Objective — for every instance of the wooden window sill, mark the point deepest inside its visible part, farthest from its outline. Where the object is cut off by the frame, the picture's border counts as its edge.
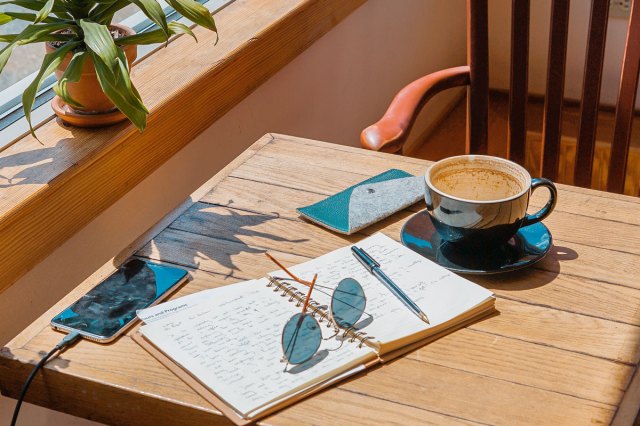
(51, 190)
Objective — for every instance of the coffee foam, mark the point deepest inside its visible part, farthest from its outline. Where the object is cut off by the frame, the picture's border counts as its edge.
(478, 179)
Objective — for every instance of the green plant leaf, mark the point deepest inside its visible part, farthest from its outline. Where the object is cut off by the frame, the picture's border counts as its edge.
(154, 11)
(27, 4)
(73, 7)
(44, 12)
(8, 38)
(5, 18)
(103, 13)
(125, 77)
(30, 17)
(195, 12)
(98, 39)
(85, 6)
(5, 54)
(37, 5)
(179, 28)
(148, 37)
(115, 83)
(63, 14)
(71, 74)
(31, 34)
(100, 7)
(155, 36)
(49, 64)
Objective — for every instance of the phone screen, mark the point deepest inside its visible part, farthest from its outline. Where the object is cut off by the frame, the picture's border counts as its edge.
(112, 304)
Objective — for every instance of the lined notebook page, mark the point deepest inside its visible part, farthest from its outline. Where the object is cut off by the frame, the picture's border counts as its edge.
(441, 294)
(175, 306)
(232, 344)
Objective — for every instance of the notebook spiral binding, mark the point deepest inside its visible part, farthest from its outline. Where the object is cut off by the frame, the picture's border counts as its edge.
(318, 311)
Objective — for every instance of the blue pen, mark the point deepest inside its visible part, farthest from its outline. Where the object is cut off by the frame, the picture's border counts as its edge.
(374, 267)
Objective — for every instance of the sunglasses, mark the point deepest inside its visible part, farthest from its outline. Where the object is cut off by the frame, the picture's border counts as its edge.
(302, 335)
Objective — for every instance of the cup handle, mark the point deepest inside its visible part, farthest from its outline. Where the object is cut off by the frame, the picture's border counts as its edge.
(530, 219)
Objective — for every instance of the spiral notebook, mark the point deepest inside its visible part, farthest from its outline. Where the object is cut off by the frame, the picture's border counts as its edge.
(226, 342)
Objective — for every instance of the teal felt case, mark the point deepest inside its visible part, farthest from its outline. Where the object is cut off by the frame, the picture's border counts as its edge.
(367, 202)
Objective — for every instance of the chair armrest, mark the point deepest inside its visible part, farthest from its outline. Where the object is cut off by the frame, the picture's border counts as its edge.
(390, 133)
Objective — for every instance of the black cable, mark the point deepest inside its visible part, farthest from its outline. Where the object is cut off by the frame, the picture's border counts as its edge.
(60, 347)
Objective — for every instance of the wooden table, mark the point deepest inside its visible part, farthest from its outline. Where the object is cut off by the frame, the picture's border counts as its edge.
(564, 348)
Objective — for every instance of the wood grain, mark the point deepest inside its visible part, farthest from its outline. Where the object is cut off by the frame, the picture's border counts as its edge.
(563, 348)
(58, 186)
(594, 62)
(518, 80)
(532, 365)
(332, 179)
(477, 139)
(626, 103)
(615, 339)
(447, 139)
(376, 162)
(344, 402)
(469, 395)
(552, 159)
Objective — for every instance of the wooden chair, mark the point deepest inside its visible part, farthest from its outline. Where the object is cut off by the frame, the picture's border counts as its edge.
(390, 133)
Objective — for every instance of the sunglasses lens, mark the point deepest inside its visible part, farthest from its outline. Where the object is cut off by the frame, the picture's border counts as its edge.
(301, 338)
(347, 303)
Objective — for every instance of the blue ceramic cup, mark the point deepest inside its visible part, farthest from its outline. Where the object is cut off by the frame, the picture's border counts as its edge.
(479, 201)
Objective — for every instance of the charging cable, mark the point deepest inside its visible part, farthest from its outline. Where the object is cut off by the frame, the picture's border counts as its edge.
(68, 340)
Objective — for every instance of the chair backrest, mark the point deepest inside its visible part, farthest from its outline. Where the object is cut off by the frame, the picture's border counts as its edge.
(477, 104)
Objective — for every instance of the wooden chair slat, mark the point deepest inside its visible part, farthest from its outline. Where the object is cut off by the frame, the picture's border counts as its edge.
(478, 93)
(517, 129)
(551, 126)
(549, 157)
(626, 104)
(591, 93)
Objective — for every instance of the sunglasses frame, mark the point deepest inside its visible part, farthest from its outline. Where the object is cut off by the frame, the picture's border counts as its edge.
(332, 317)
(331, 320)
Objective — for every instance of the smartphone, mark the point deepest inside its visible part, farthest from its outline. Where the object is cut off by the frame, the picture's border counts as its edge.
(109, 308)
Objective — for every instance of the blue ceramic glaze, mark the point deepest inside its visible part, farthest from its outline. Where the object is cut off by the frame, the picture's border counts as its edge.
(481, 223)
(529, 245)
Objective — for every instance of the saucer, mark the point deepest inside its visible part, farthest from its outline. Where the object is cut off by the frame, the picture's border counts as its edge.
(529, 245)
(69, 116)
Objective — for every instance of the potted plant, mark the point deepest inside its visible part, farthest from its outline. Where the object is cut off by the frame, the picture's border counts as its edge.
(90, 55)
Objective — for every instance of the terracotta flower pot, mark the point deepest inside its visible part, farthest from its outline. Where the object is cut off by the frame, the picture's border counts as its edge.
(87, 91)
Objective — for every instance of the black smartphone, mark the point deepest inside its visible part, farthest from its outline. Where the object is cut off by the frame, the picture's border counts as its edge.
(110, 307)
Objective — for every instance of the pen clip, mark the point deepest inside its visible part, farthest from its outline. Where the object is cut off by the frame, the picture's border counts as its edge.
(363, 257)
(374, 262)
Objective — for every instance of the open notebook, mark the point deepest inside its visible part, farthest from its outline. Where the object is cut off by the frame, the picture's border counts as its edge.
(226, 342)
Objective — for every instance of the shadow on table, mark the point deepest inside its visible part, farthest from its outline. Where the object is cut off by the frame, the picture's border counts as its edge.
(56, 360)
(535, 276)
(211, 237)
(33, 167)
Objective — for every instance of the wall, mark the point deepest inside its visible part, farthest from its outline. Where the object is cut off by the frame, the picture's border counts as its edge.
(500, 45)
(333, 90)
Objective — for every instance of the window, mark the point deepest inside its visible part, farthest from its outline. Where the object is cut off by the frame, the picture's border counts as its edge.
(25, 62)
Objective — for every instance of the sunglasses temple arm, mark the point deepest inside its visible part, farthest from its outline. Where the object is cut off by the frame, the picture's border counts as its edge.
(281, 266)
(306, 302)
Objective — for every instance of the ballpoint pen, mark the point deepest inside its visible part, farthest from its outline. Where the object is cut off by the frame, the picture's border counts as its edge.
(374, 267)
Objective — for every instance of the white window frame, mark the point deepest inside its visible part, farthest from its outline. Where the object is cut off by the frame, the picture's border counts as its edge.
(44, 112)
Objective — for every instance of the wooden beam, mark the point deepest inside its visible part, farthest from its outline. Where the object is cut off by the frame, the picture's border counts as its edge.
(59, 186)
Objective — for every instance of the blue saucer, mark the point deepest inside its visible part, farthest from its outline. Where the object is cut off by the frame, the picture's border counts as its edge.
(528, 246)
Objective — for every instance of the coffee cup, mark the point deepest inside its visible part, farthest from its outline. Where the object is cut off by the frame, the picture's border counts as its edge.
(480, 201)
